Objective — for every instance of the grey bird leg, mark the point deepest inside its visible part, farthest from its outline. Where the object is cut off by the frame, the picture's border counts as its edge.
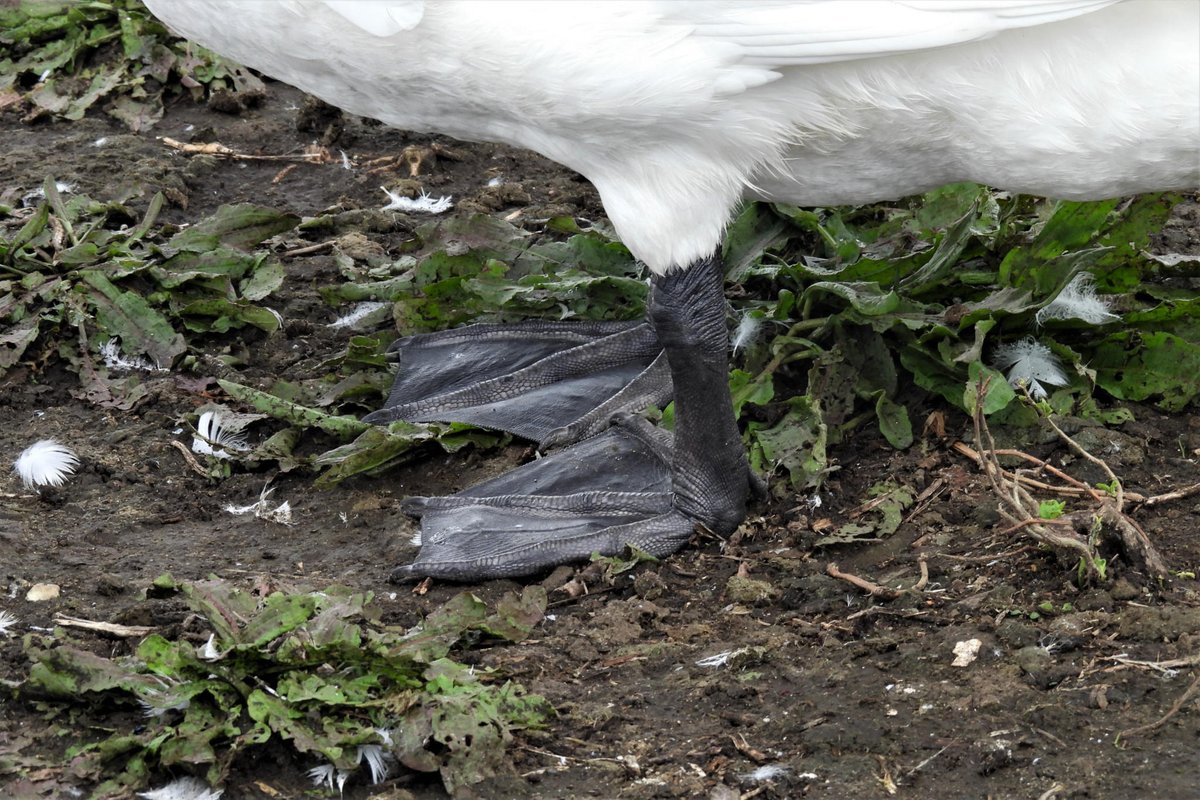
(631, 485)
(710, 475)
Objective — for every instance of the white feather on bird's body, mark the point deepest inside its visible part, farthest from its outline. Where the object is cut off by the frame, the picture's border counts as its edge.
(677, 111)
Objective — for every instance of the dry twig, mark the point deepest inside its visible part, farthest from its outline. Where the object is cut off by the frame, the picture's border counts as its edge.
(1162, 667)
(307, 249)
(190, 459)
(1021, 510)
(1075, 487)
(110, 628)
(1187, 695)
(317, 155)
(874, 589)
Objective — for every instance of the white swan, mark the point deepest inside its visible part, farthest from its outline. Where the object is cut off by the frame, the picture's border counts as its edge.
(676, 111)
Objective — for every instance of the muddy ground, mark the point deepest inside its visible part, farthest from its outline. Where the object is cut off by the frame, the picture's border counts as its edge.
(853, 696)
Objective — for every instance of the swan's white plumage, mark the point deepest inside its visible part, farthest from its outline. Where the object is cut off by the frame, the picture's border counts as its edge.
(381, 19)
(675, 111)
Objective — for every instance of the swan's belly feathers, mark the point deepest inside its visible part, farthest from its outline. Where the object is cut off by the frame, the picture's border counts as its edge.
(1112, 109)
(675, 111)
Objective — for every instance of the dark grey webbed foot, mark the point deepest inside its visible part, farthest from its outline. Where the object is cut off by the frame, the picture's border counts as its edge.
(551, 382)
(632, 485)
(600, 495)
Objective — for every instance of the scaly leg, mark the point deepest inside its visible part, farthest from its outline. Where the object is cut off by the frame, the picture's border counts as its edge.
(631, 485)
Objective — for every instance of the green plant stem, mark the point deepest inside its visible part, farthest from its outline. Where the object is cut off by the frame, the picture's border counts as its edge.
(785, 357)
(856, 420)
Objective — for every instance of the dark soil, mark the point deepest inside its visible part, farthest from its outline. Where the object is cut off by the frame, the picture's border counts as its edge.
(851, 695)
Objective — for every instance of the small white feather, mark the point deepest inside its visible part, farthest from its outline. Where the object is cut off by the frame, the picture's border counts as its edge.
(1030, 363)
(157, 703)
(358, 314)
(155, 712)
(30, 198)
(426, 204)
(7, 620)
(1174, 259)
(45, 463)
(747, 331)
(1078, 300)
(328, 775)
(767, 772)
(215, 438)
(378, 760)
(282, 513)
(208, 651)
(114, 359)
(717, 660)
(184, 789)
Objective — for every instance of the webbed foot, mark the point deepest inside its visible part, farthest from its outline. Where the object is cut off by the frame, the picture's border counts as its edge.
(551, 382)
(631, 485)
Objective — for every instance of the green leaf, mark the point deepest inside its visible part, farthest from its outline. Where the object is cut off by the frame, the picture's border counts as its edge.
(102, 83)
(313, 670)
(747, 389)
(997, 393)
(219, 262)
(219, 315)
(752, 231)
(32, 227)
(128, 316)
(1040, 266)
(946, 254)
(868, 299)
(888, 503)
(1138, 367)
(266, 278)
(894, 423)
(517, 615)
(240, 226)
(293, 413)
(374, 448)
(280, 614)
(616, 565)
(15, 340)
(1051, 509)
(796, 443)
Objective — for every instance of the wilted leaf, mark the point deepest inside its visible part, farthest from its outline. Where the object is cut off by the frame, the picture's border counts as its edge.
(878, 518)
(314, 670)
(128, 316)
(796, 443)
(517, 615)
(102, 83)
(374, 448)
(294, 413)
(241, 226)
(15, 340)
(218, 315)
